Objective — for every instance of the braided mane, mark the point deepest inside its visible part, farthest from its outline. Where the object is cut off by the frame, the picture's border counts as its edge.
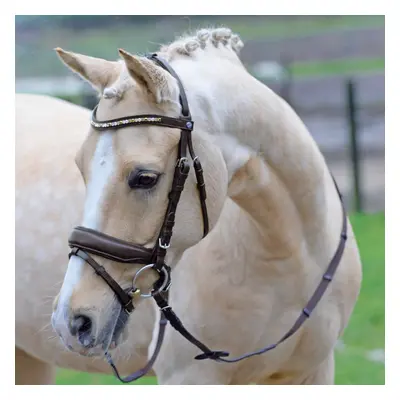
(203, 39)
(219, 41)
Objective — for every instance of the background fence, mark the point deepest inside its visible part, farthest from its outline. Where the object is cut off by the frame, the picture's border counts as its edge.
(346, 116)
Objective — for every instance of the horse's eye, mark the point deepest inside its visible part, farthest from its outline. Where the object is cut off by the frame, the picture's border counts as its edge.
(142, 179)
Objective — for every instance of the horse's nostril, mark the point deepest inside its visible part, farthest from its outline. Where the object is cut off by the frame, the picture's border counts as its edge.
(81, 325)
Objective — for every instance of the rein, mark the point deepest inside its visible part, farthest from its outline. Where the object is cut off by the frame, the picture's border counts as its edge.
(84, 241)
(304, 315)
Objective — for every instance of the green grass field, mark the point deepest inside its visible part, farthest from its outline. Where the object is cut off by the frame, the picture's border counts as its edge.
(365, 333)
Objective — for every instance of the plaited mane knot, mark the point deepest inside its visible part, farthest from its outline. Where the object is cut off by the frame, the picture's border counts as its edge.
(202, 39)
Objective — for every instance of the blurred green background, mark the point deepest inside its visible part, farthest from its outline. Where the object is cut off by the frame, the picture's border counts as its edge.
(101, 36)
(309, 61)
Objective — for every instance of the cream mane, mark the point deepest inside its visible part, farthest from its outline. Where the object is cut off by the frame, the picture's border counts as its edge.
(205, 41)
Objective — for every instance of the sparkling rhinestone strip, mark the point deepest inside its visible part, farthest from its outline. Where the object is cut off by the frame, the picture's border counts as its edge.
(124, 122)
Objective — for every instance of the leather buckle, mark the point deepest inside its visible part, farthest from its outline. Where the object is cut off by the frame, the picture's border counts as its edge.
(212, 355)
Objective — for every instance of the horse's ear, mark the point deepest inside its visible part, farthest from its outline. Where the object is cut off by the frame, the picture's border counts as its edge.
(98, 72)
(159, 82)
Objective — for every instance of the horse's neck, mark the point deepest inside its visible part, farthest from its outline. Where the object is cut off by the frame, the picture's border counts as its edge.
(226, 99)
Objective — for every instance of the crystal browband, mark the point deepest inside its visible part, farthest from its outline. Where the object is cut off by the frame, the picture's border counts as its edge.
(161, 120)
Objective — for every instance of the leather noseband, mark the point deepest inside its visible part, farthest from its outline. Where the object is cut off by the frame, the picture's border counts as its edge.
(109, 247)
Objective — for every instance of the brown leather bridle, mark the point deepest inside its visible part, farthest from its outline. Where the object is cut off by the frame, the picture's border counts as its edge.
(84, 241)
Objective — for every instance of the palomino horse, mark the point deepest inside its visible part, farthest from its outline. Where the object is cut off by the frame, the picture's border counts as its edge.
(235, 291)
(38, 201)
(49, 197)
